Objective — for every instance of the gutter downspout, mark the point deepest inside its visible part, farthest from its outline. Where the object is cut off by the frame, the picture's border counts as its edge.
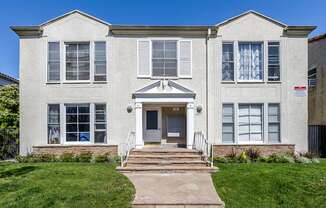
(207, 38)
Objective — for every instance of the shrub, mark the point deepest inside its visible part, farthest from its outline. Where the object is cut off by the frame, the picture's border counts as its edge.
(315, 160)
(101, 158)
(68, 157)
(21, 159)
(85, 157)
(253, 153)
(308, 155)
(263, 159)
(114, 159)
(302, 159)
(231, 155)
(243, 157)
(285, 159)
(220, 159)
(46, 157)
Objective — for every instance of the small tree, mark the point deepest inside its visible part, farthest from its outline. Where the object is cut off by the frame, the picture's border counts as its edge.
(9, 120)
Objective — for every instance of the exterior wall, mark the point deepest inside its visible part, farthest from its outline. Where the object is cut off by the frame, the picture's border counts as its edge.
(223, 150)
(317, 94)
(293, 55)
(111, 150)
(122, 80)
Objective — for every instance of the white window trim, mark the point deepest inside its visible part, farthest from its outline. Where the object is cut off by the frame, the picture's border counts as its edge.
(91, 60)
(280, 123)
(234, 122)
(106, 61)
(150, 75)
(106, 122)
(234, 62)
(47, 62)
(263, 124)
(279, 61)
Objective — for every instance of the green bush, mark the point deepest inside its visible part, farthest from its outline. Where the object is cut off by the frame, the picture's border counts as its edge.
(220, 159)
(114, 159)
(85, 157)
(21, 159)
(243, 157)
(253, 153)
(315, 160)
(68, 157)
(302, 159)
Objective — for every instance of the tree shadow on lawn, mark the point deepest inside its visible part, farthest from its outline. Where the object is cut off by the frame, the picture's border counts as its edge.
(17, 171)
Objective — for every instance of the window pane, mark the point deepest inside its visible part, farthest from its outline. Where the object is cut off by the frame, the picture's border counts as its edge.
(84, 136)
(251, 61)
(151, 120)
(71, 137)
(100, 123)
(164, 58)
(274, 123)
(100, 137)
(54, 124)
(228, 124)
(250, 122)
(77, 122)
(77, 61)
(53, 61)
(100, 61)
(273, 61)
(227, 61)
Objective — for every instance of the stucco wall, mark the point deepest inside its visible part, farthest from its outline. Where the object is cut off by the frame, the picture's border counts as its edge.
(123, 81)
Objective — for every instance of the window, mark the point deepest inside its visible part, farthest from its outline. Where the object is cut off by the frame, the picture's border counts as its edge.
(228, 124)
(53, 61)
(274, 123)
(273, 61)
(227, 62)
(100, 123)
(151, 120)
(250, 122)
(100, 61)
(250, 61)
(77, 123)
(77, 61)
(54, 124)
(312, 77)
(164, 58)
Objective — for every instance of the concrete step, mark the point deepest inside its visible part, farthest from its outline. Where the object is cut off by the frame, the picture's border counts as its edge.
(165, 151)
(160, 157)
(176, 163)
(167, 169)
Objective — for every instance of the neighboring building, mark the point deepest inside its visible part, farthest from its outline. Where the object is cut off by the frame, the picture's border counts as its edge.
(7, 80)
(317, 80)
(84, 84)
(317, 94)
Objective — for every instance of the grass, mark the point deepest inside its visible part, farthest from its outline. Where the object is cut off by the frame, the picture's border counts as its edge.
(272, 185)
(63, 185)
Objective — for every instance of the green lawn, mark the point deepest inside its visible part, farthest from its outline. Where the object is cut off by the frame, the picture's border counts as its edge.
(272, 185)
(63, 185)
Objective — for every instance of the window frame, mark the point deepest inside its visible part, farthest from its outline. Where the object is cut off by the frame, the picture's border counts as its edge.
(48, 59)
(311, 75)
(91, 117)
(279, 60)
(48, 123)
(103, 122)
(91, 65)
(262, 141)
(279, 123)
(234, 61)
(237, 68)
(234, 122)
(93, 60)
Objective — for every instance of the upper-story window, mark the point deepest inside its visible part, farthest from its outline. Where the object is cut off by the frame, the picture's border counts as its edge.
(250, 61)
(77, 61)
(273, 61)
(100, 61)
(312, 77)
(227, 62)
(164, 58)
(53, 61)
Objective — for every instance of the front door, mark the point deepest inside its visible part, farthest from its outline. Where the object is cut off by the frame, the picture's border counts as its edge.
(174, 127)
(152, 125)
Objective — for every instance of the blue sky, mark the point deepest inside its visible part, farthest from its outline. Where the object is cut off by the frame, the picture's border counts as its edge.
(146, 12)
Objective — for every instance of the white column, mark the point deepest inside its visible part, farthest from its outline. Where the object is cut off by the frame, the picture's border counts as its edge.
(190, 124)
(139, 125)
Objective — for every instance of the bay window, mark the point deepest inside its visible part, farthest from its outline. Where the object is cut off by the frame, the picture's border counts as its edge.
(77, 122)
(164, 58)
(250, 62)
(250, 123)
(77, 61)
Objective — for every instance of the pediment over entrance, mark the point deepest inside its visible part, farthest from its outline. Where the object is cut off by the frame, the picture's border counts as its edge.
(164, 89)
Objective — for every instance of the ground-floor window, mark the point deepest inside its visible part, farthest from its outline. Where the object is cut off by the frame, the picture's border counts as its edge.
(54, 124)
(250, 122)
(100, 123)
(77, 122)
(228, 123)
(274, 122)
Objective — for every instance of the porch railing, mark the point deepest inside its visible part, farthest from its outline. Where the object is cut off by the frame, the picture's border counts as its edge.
(202, 145)
(126, 147)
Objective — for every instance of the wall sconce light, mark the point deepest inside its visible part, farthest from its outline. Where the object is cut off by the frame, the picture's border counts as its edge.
(129, 108)
(199, 109)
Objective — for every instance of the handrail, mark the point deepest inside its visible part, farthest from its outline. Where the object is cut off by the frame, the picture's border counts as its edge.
(126, 147)
(202, 145)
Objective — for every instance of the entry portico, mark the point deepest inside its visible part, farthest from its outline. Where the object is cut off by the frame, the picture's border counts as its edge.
(160, 95)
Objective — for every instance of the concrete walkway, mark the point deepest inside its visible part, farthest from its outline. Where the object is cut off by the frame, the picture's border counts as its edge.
(174, 190)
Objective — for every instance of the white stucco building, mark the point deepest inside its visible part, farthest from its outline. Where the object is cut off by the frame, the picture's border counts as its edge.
(85, 83)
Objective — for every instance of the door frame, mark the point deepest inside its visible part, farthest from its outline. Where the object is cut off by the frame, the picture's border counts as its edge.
(152, 135)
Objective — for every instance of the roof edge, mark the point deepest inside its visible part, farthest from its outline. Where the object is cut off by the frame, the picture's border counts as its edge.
(10, 78)
(317, 38)
(27, 31)
(299, 30)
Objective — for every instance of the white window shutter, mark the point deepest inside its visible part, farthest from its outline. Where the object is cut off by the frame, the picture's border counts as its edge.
(143, 54)
(185, 60)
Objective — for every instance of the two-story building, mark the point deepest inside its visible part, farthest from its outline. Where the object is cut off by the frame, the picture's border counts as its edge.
(85, 84)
